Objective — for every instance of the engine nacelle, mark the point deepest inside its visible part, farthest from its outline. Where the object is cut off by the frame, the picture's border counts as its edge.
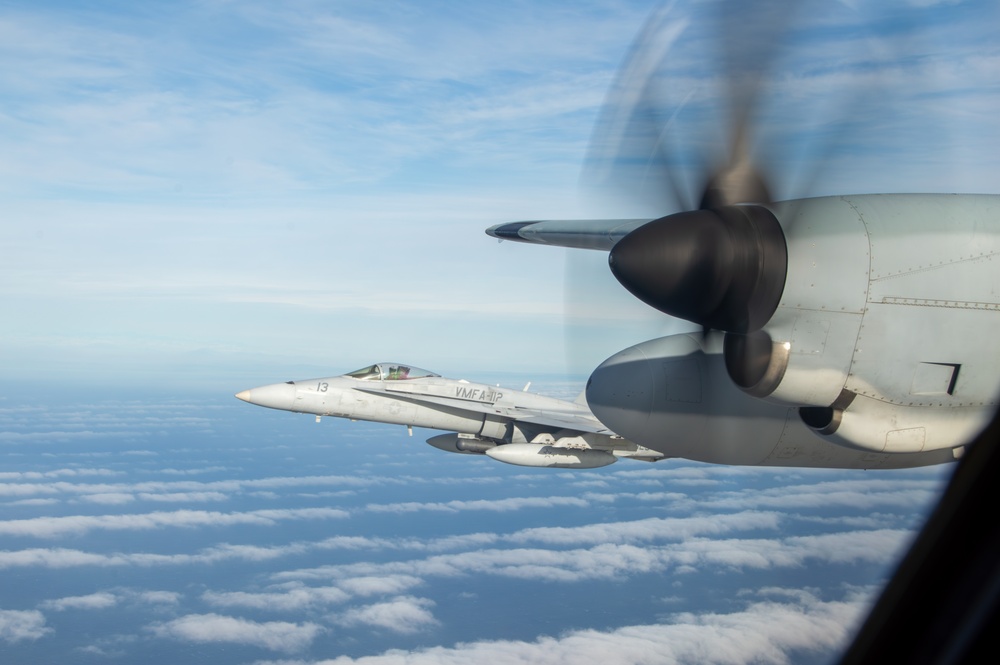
(803, 354)
(674, 395)
(805, 362)
(889, 297)
(873, 425)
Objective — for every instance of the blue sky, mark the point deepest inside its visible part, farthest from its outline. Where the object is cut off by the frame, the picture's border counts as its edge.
(201, 197)
(213, 178)
(197, 189)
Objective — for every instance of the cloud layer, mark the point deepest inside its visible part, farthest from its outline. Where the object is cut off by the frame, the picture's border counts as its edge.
(766, 631)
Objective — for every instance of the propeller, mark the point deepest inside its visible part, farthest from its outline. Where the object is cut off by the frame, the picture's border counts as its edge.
(721, 265)
(682, 139)
(690, 148)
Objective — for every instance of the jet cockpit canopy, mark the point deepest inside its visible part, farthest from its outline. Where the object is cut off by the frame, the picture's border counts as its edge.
(389, 372)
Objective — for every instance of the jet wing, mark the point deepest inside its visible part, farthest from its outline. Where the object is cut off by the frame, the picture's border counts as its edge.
(578, 420)
(600, 234)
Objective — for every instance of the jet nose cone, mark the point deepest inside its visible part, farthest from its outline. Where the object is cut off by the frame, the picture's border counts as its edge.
(274, 396)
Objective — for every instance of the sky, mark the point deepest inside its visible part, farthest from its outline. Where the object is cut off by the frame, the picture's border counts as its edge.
(200, 189)
(201, 197)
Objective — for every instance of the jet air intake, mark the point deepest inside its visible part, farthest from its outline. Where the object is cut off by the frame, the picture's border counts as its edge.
(723, 268)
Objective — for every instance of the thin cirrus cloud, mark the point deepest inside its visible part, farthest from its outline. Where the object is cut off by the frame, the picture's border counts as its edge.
(93, 601)
(846, 493)
(874, 494)
(859, 545)
(295, 599)
(103, 600)
(57, 558)
(862, 492)
(138, 107)
(53, 527)
(619, 561)
(161, 152)
(179, 486)
(55, 473)
(649, 529)
(498, 505)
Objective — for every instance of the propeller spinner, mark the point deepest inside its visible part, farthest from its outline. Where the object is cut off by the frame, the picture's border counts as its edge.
(722, 268)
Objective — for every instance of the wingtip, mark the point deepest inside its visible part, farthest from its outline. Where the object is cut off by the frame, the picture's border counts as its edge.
(508, 231)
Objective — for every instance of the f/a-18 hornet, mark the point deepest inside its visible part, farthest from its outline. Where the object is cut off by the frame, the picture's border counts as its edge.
(512, 426)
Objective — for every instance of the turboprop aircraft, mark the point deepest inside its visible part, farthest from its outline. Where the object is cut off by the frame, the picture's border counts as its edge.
(512, 426)
(859, 323)
(840, 331)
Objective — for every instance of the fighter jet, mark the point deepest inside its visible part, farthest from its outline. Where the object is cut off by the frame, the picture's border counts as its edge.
(512, 426)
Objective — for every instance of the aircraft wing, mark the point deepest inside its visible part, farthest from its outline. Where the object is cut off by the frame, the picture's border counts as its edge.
(577, 422)
(600, 234)
(580, 420)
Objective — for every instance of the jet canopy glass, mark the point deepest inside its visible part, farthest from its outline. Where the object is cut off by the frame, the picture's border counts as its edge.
(389, 372)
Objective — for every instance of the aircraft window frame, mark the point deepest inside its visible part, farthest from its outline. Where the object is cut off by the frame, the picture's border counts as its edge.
(369, 373)
(401, 372)
(390, 372)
